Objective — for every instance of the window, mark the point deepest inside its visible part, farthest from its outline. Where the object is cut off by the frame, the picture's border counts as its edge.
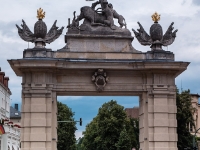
(191, 128)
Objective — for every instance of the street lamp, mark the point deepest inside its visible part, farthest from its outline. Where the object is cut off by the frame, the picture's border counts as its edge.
(73, 121)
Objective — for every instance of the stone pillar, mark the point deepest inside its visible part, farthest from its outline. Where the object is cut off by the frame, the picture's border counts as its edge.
(38, 115)
(158, 114)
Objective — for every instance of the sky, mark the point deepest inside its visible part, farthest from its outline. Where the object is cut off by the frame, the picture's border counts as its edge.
(184, 13)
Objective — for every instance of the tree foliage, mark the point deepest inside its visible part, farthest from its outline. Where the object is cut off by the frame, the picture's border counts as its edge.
(111, 129)
(124, 142)
(134, 128)
(184, 119)
(79, 143)
(66, 130)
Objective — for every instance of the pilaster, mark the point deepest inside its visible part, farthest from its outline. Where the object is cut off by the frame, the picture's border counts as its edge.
(38, 116)
(158, 114)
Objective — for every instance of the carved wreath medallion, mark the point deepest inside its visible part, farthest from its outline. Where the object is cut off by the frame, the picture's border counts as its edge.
(100, 79)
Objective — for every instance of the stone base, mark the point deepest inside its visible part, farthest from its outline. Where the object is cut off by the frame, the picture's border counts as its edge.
(98, 43)
(90, 55)
(37, 52)
(160, 54)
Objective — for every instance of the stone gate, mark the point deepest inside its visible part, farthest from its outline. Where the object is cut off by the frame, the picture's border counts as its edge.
(98, 60)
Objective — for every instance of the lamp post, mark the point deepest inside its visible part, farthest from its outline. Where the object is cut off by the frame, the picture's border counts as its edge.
(73, 121)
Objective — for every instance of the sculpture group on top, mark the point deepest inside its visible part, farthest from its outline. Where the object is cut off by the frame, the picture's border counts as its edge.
(98, 18)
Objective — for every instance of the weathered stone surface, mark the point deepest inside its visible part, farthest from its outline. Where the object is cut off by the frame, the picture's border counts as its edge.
(159, 54)
(98, 56)
(98, 43)
(37, 52)
(72, 54)
(152, 81)
(86, 29)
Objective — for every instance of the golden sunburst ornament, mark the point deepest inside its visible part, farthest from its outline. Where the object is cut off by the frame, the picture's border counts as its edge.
(40, 13)
(155, 17)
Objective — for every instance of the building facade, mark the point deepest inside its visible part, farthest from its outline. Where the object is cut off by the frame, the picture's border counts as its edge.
(11, 139)
(15, 115)
(196, 114)
(132, 112)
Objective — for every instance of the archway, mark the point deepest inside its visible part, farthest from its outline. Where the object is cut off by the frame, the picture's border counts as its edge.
(99, 61)
(44, 79)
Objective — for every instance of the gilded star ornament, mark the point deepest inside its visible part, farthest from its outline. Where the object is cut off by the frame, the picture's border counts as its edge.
(40, 13)
(155, 17)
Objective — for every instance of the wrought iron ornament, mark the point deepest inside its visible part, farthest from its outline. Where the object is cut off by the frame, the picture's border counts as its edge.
(100, 79)
(40, 36)
(156, 38)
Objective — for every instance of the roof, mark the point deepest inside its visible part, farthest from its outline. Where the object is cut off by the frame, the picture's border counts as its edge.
(197, 95)
(132, 112)
(14, 114)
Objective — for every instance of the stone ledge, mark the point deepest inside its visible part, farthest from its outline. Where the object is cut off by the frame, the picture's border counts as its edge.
(92, 55)
(98, 55)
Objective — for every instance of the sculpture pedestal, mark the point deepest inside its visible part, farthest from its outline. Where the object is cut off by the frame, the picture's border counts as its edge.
(98, 43)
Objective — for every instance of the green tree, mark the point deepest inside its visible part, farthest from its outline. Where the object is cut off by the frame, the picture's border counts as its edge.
(79, 144)
(90, 136)
(66, 130)
(124, 142)
(134, 132)
(106, 128)
(184, 119)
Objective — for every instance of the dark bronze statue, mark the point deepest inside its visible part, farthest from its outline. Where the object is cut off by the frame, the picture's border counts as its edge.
(102, 16)
(120, 18)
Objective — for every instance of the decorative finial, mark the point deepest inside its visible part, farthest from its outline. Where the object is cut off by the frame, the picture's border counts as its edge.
(40, 14)
(155, 17)
(40, 36)
(156, 38)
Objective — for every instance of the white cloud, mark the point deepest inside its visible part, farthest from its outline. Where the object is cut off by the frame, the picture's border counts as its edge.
(78, 134)
(185, 14)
